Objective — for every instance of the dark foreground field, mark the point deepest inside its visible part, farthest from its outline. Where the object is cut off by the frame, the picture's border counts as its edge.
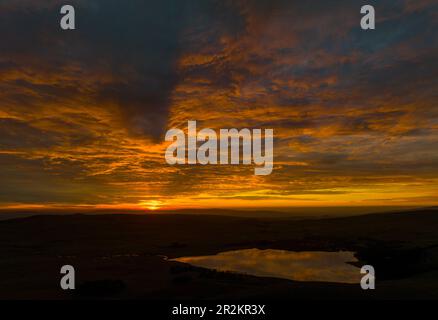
(120, 256)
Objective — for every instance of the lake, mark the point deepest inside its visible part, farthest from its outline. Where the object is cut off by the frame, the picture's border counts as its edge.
(298, 266)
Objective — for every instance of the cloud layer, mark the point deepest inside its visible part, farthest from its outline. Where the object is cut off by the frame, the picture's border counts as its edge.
(83, 113)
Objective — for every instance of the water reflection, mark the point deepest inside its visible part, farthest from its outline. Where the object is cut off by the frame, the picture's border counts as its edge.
(300, 266)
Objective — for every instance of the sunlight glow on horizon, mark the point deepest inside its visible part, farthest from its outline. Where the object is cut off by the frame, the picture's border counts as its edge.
(151, 204)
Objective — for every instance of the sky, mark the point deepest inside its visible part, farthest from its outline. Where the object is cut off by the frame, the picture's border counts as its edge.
(83, 113)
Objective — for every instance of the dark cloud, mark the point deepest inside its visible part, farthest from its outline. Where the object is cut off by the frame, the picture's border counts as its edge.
(132, 48)
(19, 135)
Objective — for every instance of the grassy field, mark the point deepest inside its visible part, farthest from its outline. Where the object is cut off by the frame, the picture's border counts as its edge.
(121, 256)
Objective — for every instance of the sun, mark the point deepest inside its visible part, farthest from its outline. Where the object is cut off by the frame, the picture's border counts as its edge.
(151, 204)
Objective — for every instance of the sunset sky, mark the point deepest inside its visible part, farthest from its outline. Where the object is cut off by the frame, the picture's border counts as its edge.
(83, 113)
